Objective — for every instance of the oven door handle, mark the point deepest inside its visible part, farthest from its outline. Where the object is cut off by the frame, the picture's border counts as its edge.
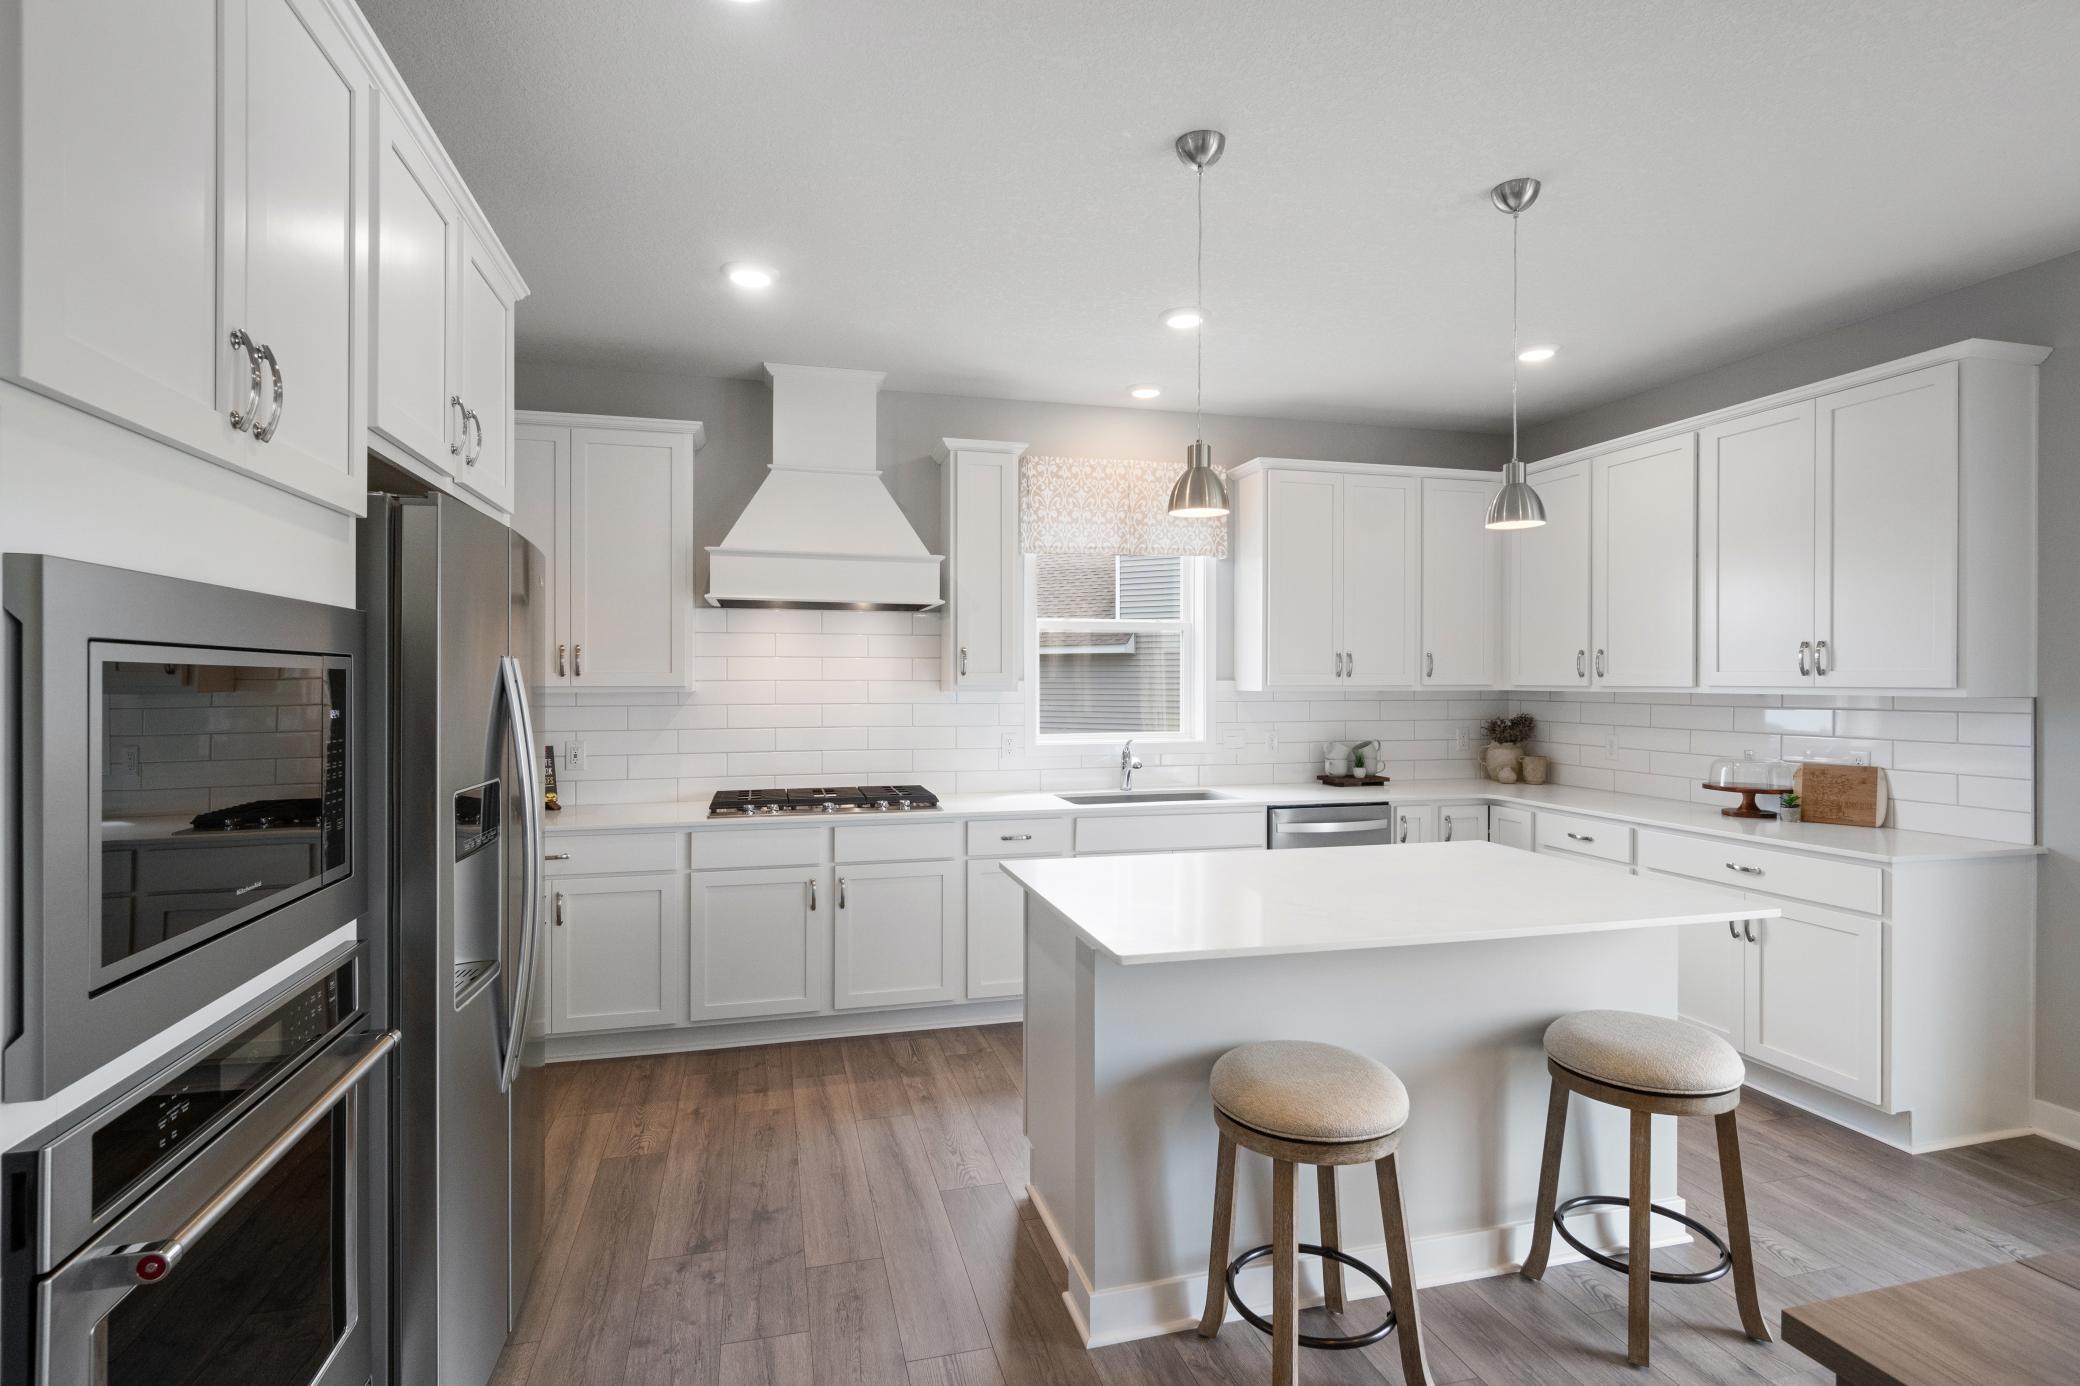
(153, 1262)
(519, 989)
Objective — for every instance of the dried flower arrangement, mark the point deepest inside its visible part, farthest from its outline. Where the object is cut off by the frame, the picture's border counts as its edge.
(1511, 731)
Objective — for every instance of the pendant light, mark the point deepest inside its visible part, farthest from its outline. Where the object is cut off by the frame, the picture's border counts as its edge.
(1516, 505)
(1200, 492)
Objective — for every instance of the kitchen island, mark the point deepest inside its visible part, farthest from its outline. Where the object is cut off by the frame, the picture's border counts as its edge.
(1445, 961)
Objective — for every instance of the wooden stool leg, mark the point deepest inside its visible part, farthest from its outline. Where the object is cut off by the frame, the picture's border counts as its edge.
(1735, 1187)
(1640, 1256)
(1223, 1228)
(1408, 1328)
(1285, 1279)
(1332, 1238)
(1548, 1184)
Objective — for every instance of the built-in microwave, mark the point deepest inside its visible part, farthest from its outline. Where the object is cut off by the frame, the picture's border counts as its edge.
(179, 768)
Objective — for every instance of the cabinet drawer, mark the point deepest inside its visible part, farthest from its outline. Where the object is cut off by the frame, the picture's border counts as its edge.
(729, 847)
(1019, 837)
(1589, 837)
(899, 842)
(580, 854)
(1845, 885)
(1170, 832)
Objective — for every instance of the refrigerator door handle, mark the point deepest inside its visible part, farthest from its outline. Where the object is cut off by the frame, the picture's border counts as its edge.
(520, 988)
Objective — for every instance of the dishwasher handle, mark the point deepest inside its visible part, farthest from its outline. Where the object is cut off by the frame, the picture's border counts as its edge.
(1362, 825)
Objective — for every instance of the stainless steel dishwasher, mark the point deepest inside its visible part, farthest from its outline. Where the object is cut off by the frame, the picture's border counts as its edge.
(1331, 825)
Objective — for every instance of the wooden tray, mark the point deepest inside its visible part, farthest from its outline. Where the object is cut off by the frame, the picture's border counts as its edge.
(1352, 781)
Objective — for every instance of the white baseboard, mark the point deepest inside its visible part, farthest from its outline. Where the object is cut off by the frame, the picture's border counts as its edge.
(2056, 1123)
(733, 1034)
(1159, 1307)
(1896, 1129)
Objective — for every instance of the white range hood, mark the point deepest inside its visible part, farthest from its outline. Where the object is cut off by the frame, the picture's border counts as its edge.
(822, 530)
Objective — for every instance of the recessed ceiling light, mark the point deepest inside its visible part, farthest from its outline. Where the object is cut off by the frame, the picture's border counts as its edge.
(1534, 354)
(1145, 391)
(749, 276)
(1183, 319)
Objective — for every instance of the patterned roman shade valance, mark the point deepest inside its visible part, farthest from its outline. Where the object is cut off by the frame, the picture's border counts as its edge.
(1109, 506)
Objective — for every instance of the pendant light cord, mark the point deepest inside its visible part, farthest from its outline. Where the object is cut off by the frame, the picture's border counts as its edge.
(1199, 296)
(1513, 360)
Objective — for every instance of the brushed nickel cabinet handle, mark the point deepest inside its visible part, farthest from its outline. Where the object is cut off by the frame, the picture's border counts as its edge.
(841, 892)
(578, 661)
(812, 895)
(559, 909)
(461, 412)
(1744, 870)
(1014, 837)
(1748, 928)
(1805, 658)
(473, 430)
(1429, 664)
(556, 856)
(1448, 827)
(1581, 664)
(1733, 931)
(562, 665)
(964, 661)
(1350, 666)
(1581, 837)
(1599, 664)
(242, 419)
(1821, 659)
(265, 432)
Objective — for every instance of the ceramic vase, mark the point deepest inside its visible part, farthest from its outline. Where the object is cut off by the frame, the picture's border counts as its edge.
(1498, 757)
(1534, 769)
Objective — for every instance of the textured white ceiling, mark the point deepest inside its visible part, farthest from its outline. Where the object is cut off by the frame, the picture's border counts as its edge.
(979, 196)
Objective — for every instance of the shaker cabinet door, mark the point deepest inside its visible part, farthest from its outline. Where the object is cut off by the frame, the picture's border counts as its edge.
(996, 932)
(761, 943)
(1379, 573)
(1815, 989)
(983, 577)
(418, 245)
(1300, 579)
(1756, 548)
(1711, 979)
(1462, 585)
(901, 934)
(618, 947)
(483, 374)
(1549, 585)
(1644, 568)
(630, 559)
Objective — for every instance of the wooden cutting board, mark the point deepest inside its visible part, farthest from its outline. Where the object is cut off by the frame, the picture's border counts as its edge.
(1854, 795)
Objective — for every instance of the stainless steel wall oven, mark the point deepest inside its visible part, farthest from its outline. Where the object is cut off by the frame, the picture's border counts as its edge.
(212, 1225)
(179, 760)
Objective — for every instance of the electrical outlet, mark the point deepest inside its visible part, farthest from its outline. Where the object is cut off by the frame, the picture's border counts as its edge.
(130, 760)
(1271, 738)
(1007, 744)
(1459, 740)
(1235, 736)
(573, 754)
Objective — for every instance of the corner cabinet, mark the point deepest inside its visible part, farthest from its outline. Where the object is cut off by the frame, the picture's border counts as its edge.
(610, 504)
(983, 566)
(1462, 585)
(192, 229)
(1879, 536)
(1326, 575)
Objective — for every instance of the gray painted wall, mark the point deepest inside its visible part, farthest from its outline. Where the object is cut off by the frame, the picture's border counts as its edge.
(738, 415)
(2040, 305)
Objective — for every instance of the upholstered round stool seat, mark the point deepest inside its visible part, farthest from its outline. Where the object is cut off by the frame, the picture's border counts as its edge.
(1298, 1090)
(1646, 1053)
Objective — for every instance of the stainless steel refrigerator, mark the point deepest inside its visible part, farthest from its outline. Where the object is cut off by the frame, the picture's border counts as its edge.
(455, 606)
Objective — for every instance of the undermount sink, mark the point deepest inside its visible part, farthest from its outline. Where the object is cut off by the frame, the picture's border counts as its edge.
(1146, 796)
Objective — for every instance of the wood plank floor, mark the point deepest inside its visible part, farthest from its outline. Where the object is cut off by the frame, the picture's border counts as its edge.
(854, 1211)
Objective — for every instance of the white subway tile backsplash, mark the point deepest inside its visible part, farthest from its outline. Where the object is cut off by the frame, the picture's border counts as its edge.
(1898, 726)
(1980, 791)
(2006, 762)
(1996, 728)
(1691, 717)
(1793, 721)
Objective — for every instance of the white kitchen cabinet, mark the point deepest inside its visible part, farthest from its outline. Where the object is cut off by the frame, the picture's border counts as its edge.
(615, 498)
(188, 172)
(1415, 823)
(618, 952)
(1756, 545)
(901, 936)
(482, 372)
(413, 268)
(1326, 575)
(996, 932)
(983, 564)
(1643, 565)
(1814, 986)
(1462, 823)
(760, 942)
(1549, 585)
(1712, 980)
(1510, 826)
(1461, 585)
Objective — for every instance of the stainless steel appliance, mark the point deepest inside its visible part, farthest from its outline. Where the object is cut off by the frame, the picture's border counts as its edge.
(1331, 825)
(138, 707)
(213, 1223)
(843, 798)
(455, 604)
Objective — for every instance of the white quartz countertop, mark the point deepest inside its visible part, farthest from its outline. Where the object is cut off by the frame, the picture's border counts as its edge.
(1185, 906)
(1863, 844)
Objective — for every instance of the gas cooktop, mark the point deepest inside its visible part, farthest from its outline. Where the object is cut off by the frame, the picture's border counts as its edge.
(846, 798)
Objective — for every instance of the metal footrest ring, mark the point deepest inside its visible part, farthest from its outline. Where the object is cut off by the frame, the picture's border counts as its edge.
(1311, 1340)
(1702, 1277)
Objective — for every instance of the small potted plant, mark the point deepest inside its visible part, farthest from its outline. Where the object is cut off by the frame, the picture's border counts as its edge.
(1505, 749)
(1788, 806)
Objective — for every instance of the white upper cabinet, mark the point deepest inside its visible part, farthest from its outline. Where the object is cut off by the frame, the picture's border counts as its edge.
(1643, 566)
(1325, 577)
(1885, 526)
(1462, 585)
(610, 502)
(189, 172)
(983, 565)
(483, 374)
(418, 249)
(1549, 585)
(1757, 501)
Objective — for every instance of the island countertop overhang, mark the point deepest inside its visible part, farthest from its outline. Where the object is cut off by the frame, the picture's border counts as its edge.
(1187, 906)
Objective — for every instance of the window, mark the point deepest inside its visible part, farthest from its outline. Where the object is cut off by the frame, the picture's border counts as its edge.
(1121, 647)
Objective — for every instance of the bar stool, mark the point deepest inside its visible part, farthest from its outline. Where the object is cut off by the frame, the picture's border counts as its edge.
(1647, 1065)
(1302, 1103)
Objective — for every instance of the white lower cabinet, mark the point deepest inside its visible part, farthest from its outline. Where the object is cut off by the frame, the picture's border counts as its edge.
(761, 942)
(996, 932)
(1415, 823)
(618, 946)
(1803, 993)
(900, 934)
(1462, 823)
(1510, 826)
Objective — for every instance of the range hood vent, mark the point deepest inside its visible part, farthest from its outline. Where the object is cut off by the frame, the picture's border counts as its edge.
(822, 531)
